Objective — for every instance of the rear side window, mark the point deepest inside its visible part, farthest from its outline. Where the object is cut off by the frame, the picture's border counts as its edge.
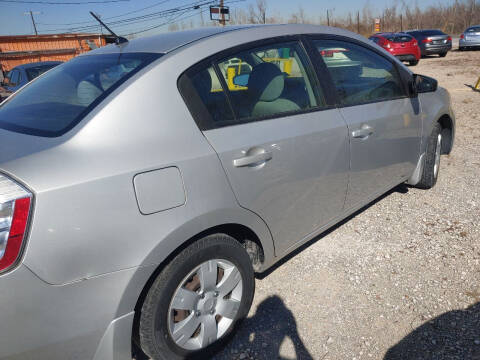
(360, 75)
(56, 102)
(253, 84)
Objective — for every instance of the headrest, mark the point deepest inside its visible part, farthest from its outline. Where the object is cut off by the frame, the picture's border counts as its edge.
(266, 82)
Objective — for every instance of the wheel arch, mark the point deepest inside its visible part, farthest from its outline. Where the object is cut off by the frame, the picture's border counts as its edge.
(446, 123)
(258, 246)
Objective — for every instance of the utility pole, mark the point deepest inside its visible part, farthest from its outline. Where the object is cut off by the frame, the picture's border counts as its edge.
(328, 19)
(33, 20)
(454, 16)
(401, 23)
(222, 15)
(358, 22)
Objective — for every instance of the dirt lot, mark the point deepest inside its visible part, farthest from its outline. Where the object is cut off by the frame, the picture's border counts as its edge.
(401, 278)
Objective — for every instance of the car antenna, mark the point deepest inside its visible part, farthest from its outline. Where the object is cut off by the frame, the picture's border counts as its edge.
(118, 39)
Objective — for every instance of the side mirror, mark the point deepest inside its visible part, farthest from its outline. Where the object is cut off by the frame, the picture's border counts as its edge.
(425, 84)
(241, 80)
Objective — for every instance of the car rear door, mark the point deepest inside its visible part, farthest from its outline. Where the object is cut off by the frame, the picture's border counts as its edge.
(284, 149)
(384, 124)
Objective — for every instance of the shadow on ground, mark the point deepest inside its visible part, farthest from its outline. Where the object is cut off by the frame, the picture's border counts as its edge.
(401, 189)
(264, 332)
(453, 335)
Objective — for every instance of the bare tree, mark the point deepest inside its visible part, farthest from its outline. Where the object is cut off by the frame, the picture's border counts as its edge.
(258, 14)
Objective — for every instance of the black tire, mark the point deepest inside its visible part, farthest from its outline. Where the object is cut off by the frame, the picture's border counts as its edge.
(442, 54)
(413, 62)
(461, 48)
(154, 335)
(429, 176)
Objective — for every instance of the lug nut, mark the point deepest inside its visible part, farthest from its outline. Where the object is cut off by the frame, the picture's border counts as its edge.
(212, 311)
(198, 313)
(215, 293)
(202, 294)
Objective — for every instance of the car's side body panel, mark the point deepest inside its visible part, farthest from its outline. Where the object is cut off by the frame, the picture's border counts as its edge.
(389, 155)
(303, 186)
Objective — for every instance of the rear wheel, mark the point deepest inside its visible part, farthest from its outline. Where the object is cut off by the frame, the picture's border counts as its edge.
(413, 62)
(442, 54)
(196, 301)
(461, 48)
(431, 167)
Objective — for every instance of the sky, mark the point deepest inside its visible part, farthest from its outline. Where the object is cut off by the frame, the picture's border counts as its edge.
(56, 18)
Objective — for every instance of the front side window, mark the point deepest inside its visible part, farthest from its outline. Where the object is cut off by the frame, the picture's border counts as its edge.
(56, 102)
(360, 75)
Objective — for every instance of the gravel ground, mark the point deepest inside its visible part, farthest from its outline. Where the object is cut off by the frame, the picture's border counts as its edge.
(399, 279)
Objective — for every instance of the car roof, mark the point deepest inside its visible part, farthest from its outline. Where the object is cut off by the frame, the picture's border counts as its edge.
(35, 64)
(168, 42)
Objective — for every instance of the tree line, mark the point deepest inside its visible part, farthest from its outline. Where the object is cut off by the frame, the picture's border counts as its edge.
(452, 18)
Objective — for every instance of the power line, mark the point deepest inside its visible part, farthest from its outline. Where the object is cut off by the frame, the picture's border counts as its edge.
(60, 3)
(166, 23)
(177, 19)
(137, 19)
(110, 17)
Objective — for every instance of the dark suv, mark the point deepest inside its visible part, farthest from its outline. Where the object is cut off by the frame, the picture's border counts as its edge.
(432, 41)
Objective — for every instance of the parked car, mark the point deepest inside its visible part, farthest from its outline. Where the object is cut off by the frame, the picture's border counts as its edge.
(470, 38)
(404, 47)
(138, 201)
(22, 74)
(432, 41)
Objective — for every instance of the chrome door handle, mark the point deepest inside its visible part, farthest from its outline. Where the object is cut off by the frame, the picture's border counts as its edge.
(252, 159)
(362, 133)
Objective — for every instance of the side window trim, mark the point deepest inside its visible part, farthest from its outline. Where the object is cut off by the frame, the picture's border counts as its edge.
(320, 71)
(322, 102)
(313, 37)
(225, 89)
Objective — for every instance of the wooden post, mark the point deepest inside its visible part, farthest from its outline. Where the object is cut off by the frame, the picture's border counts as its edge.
(358, 22)
(222, 15)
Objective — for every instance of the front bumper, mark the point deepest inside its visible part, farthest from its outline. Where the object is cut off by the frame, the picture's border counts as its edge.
(39, 321)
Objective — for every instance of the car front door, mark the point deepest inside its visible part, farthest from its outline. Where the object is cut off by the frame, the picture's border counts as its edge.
(284, 150)
(384, 123)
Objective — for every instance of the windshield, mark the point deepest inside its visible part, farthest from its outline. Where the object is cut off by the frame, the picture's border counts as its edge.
(56, 102)
(36, 71)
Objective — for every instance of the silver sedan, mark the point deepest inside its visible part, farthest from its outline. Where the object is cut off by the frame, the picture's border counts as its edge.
(144, 184)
